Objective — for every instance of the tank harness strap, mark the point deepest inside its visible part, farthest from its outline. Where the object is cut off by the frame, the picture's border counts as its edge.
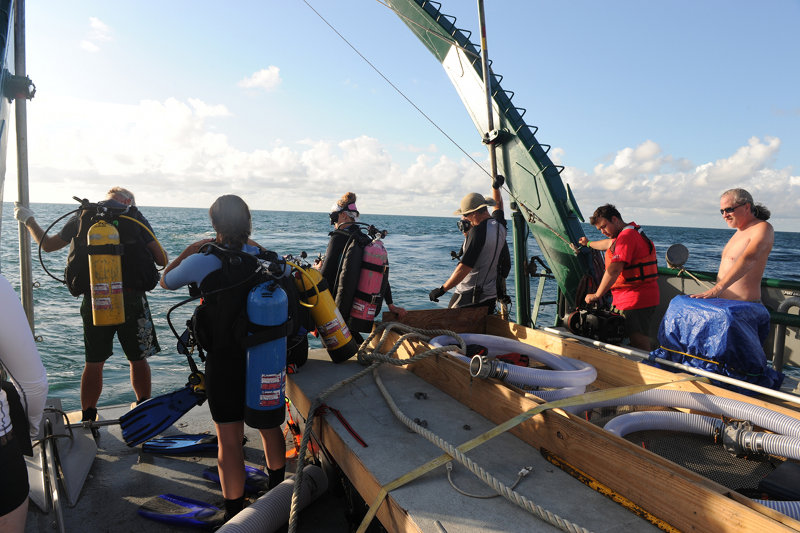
(261, 334)
(322, 286)
(106, 249)
(383, 269)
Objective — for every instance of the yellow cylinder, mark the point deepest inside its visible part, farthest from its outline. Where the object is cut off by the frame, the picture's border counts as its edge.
(330, 324)
(105, 276)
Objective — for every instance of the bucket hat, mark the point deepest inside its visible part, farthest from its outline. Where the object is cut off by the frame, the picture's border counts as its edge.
(472, 202)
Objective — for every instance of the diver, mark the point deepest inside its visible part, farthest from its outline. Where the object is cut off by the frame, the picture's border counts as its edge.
(225, 369)
(139, 275)
(20, 414)
(347, 232)
(475, 276)
(503, 265)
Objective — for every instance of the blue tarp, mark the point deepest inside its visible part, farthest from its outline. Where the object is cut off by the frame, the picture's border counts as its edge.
(720, 336)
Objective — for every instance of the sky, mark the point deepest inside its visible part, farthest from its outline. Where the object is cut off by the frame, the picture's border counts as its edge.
(656, 106)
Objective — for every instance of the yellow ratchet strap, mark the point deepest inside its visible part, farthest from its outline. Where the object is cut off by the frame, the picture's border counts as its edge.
(589, 397)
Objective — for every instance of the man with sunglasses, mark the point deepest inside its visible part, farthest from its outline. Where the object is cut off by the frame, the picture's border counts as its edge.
(475, 276)
(744, 257)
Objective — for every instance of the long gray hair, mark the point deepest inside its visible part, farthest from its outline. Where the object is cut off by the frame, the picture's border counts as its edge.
(741, 196)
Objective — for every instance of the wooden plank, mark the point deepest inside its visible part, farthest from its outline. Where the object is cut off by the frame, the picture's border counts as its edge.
(682, 498)
(614, 370)
(393, 517)
(463, 320)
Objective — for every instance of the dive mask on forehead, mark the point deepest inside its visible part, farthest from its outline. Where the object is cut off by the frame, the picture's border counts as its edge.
(349, 210)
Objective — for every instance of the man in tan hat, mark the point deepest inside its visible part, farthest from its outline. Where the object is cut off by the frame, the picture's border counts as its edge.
(474, 278)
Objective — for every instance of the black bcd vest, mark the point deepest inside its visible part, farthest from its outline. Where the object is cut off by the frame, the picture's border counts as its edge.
(138, 268)
(220, 323)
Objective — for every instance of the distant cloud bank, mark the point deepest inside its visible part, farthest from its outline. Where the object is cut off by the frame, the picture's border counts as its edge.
(168, 152)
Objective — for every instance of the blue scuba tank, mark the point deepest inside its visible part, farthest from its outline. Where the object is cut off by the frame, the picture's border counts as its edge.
(265, 382)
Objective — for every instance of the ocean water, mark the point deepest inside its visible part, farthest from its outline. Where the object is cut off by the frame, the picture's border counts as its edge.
(419, 255)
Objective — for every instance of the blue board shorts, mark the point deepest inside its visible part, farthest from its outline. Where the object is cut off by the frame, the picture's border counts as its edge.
(136, 335)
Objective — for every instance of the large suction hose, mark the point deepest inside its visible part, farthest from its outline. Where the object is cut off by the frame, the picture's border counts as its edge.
(791, 509)
(755, 441)
(567, 372)
(759, 416)
(271, 511)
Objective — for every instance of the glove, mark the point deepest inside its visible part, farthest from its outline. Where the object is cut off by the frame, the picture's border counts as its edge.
(22, 213)
(498, 181)
(435, 293)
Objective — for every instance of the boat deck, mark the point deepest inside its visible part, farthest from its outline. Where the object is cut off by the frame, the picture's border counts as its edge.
(122, 478)
(430, 503)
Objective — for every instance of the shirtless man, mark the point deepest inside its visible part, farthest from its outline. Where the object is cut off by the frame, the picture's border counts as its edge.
(745, 256)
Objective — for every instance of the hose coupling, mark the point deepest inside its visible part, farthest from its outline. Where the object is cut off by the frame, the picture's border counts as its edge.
(480, 366)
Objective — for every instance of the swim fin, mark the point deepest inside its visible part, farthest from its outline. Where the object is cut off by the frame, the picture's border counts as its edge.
(256, 480)
(178, 510)
(185, 443)
(155, 415)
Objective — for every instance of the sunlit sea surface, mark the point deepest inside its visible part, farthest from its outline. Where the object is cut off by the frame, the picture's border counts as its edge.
(419, 254)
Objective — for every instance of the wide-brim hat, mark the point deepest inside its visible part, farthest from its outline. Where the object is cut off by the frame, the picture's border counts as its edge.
(472, 202)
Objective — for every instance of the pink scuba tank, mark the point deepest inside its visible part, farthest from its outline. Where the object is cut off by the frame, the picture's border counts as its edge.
(371, 282)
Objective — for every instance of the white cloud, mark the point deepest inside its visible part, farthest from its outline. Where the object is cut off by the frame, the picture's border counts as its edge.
(168, 153)
(651, 185)
(89, 46)
(268, 78)
(99, 32)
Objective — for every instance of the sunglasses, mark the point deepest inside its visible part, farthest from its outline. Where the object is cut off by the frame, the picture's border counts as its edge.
(729, 209)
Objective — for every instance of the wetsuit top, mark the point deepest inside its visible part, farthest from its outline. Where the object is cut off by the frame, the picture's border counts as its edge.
(20, 358)
(196, 267)
(637, 285)
(333, 258)
(482, 250)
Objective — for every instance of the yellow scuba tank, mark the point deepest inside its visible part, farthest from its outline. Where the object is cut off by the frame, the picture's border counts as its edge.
(331, 326)
(105, 274)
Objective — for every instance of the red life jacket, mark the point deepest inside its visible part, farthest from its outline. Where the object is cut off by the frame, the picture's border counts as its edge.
(635, 274)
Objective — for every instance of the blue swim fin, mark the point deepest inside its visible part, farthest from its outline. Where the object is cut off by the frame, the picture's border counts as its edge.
(155, 415)
(256, 480)
(186, 443)
(177, 510)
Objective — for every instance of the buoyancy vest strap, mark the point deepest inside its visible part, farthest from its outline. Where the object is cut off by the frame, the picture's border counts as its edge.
(106, 249)
(261, 334)
(369, 298)
(639, 271)
(645, 269)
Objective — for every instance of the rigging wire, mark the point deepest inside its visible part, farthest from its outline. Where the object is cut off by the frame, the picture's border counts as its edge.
(531, 215)
(400, 92)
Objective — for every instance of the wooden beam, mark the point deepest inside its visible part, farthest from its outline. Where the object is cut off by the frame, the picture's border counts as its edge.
(682, 498)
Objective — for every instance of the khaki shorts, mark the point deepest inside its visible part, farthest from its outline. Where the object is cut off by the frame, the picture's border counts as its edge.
(136, 335)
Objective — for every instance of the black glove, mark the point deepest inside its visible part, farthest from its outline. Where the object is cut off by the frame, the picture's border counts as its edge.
(498, 181)
(435, 293)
